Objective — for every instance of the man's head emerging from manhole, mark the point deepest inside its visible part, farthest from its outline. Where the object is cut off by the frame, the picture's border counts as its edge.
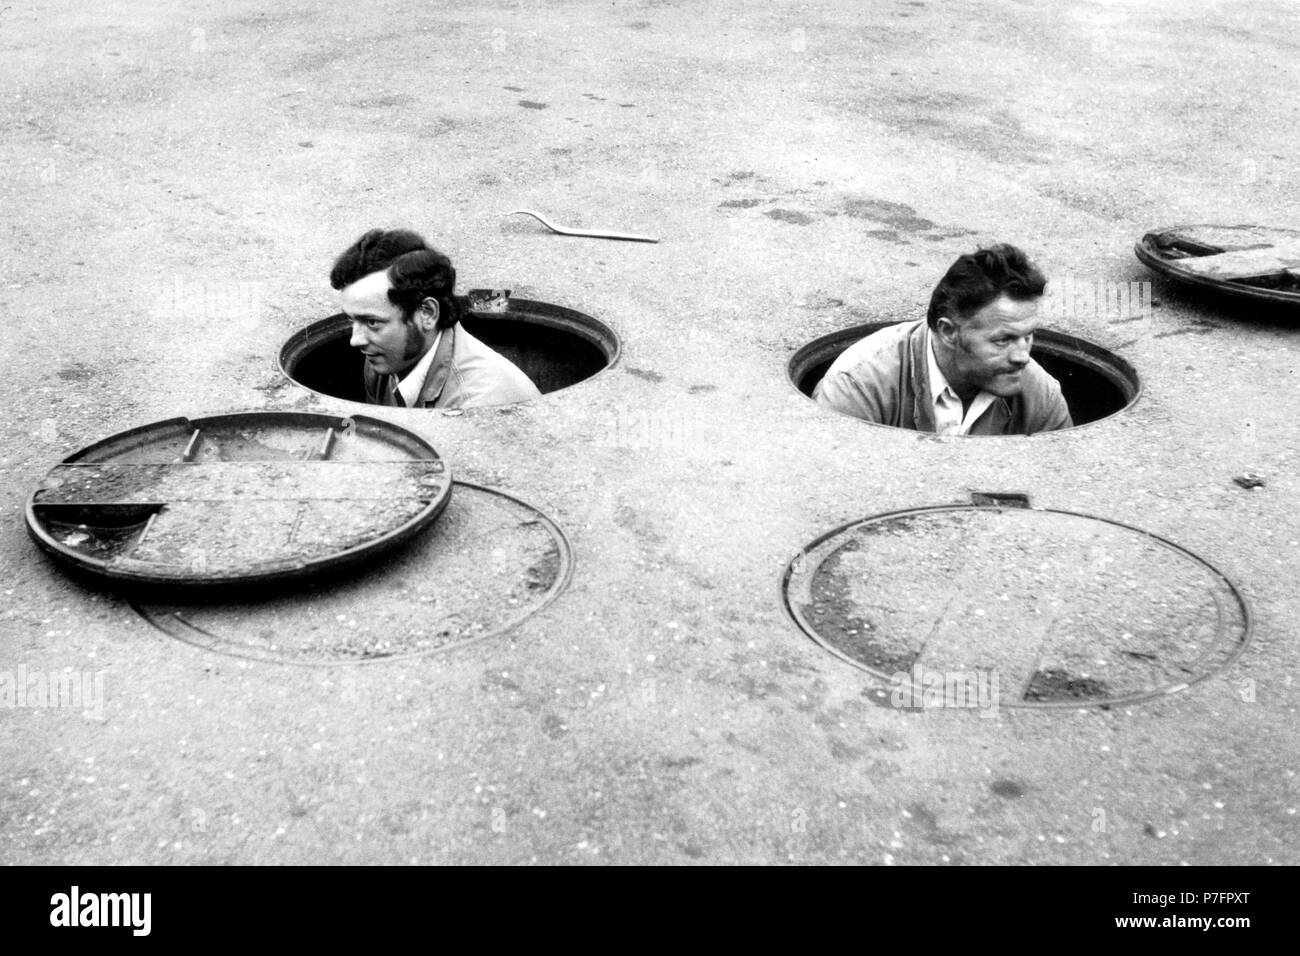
(399, 293)
(966, 368)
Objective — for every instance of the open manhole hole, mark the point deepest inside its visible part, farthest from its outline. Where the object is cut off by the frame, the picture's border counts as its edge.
(1046, 608)
(1253, 262)
(238, 500)
(554, 346)
(1096, 382)
(491, 562)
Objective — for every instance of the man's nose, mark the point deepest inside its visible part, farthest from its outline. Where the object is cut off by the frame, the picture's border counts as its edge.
(1020, 351)
(358, 335)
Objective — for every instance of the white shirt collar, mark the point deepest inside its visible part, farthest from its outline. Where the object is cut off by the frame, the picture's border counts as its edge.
(412, 385)
(948, 413)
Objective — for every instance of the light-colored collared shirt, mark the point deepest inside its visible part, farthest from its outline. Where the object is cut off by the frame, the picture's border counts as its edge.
(948, 416)
(409, 388)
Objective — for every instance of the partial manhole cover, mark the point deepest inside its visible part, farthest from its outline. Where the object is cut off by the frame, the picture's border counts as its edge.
(1059, 609)
(554, 346)
(1255, 262)
(491, 562)
(1096, 382)
(238, 499)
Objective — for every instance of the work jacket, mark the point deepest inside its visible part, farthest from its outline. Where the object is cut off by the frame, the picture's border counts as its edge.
(465, 374)
(885, 378)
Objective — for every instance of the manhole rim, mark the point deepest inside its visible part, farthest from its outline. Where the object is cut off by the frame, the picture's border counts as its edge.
(1116, 369)
(1247, 625)
(562, 580)
(1168, 268)
(103, 572)
(593, 331)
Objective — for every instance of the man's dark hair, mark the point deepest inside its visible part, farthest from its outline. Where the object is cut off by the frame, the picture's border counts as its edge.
(416, 270)
(977, 278)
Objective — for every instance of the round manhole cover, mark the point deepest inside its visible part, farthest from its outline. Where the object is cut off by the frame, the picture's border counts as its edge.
(1256, 262)
(243, 498)
(491, 562)
(1042, 608)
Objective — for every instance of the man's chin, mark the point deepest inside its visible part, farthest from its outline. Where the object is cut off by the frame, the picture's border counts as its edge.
(1006, 386)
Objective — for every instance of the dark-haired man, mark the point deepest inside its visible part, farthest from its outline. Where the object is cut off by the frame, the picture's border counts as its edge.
(399, 293)
(966, 369)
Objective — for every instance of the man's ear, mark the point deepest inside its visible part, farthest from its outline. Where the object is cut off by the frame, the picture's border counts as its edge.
(947, 329)
(427, 315)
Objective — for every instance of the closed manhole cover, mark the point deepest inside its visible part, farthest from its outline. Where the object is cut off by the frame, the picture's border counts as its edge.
(1049, 607)
(491, 562)
(238, 499)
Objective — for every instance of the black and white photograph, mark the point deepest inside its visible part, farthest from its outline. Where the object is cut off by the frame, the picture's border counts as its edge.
(651, 433)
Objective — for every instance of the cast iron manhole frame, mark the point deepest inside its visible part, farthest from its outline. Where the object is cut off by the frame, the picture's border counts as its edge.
(596, 333)
(204, 640)
(1098, 359)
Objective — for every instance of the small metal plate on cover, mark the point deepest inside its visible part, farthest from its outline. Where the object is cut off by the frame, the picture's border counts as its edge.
(492, 562)
(242, 498)
(1257, 262)
(1066, 610)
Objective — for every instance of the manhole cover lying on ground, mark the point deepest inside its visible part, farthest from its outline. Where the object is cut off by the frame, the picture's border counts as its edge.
(553, 346)
(1257, 262)
(244, 498)
(1058, 609)
(1096, 382)
(491, 562)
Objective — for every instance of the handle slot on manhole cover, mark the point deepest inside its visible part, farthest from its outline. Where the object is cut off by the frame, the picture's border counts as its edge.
(1000, 499)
